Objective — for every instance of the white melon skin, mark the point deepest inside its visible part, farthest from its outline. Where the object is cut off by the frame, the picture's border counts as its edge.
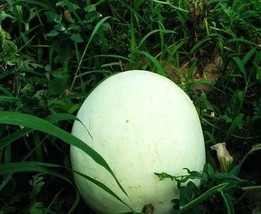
(140, 123)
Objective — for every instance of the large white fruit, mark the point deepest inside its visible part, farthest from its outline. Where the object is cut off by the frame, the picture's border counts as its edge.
(140, 123)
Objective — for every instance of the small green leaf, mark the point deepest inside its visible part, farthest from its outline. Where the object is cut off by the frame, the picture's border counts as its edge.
(36, 208)
(52, 16)
(53, 33)
(90, 8)
(76, 37)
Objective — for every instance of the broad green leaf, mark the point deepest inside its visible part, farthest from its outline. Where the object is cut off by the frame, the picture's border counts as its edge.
(24, 131)
(26, 120)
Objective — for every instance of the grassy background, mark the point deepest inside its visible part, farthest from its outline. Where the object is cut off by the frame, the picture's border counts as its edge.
(53, 53)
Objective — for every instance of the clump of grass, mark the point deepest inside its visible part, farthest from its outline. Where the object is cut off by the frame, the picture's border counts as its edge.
(52, 54)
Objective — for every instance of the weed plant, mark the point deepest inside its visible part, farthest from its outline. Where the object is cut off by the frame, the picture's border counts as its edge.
(53, 53)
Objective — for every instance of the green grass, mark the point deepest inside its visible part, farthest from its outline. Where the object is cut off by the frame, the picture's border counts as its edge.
(53, 53)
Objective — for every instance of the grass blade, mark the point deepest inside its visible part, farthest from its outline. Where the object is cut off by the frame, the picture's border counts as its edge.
(248, 55)
(40, 3)
(26, 120)
(24, 131)
(241, 66)
(96, 28)
(202, 197)
(238, 119)
(163, 31)
(160, 70)
(228, 203)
